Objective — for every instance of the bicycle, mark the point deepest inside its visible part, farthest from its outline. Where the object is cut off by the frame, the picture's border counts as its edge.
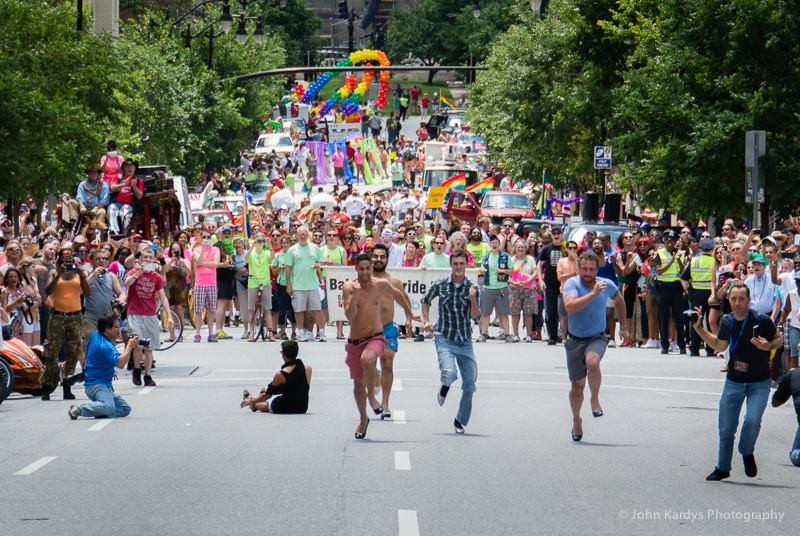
(259, 319)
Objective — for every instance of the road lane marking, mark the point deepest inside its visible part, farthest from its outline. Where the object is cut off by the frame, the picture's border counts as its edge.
(146, 390)
(35, 466)
(96, 427)
(399, 416)
(397, 385)
(402, 460)
(407, 523)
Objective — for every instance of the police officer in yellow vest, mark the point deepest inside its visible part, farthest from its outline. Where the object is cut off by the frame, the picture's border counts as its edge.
(669, 264)
(698, 272)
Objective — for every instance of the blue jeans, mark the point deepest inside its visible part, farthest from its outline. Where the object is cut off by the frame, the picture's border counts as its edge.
(105, 403)
(734, 394)
(451, 353)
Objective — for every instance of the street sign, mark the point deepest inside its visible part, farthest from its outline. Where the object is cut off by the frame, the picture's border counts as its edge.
(602, 157)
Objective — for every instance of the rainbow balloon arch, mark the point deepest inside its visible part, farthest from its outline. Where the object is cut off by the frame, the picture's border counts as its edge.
(348, 97)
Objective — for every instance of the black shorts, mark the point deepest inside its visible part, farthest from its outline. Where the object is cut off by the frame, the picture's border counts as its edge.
(226, 288)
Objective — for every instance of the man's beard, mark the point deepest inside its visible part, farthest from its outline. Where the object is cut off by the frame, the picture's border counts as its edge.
(598, 251)
(378, 267)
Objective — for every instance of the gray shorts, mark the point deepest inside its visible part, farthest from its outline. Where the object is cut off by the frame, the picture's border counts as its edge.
(494, 297)
(562, 309)
(146, 327)
(266, 298)
(794, 340)
(576, 354)
(306, 300)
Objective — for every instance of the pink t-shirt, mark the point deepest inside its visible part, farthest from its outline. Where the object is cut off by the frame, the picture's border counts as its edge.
(206, 276)
(111, 166)
(359, 157)
(338, 159)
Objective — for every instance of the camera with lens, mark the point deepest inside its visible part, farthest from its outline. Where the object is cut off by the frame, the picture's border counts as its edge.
(144, 343)
(29, 302)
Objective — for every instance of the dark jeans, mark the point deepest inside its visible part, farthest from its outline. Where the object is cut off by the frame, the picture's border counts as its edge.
(699, 299)
(284, 307)
(670, 305)
(551, 312)
(44, 318)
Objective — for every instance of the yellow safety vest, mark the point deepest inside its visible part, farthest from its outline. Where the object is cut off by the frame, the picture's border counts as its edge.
(672, 274)
(701, 272)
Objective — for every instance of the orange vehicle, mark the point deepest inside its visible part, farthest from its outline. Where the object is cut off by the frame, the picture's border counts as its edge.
(26, 365)
(494, 204)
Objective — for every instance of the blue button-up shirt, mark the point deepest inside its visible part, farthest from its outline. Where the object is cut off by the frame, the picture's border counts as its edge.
(91, 197)
(455, 321)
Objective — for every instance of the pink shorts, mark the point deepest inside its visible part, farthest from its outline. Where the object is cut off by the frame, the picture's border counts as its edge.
(376, 343)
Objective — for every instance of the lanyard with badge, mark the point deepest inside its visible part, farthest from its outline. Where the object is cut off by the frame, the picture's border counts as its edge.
(738, 366)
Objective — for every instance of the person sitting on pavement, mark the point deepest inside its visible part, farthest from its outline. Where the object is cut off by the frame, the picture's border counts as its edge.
(101, 359)
(291, 383)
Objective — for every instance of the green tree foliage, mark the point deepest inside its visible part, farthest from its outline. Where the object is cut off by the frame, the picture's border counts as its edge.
(544, 99)
(672, 86)
(444, 32)
(63, 94)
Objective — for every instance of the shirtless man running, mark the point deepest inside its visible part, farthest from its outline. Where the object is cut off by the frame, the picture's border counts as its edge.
(380, 257)
(361, 299)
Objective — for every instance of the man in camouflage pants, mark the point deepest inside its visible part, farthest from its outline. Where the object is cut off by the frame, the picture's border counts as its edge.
(64, 290)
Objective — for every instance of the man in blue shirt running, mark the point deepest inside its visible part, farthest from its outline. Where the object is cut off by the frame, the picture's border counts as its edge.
(101, 359)
(585, 298)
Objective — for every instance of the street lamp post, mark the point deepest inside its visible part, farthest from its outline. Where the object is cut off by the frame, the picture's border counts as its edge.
(225, 21)
(476, 13)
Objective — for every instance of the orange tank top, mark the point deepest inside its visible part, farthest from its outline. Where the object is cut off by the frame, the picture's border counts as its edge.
(67, 295)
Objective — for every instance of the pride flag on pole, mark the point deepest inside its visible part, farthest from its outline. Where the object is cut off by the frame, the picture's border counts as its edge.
(447, 103)
(481, 187)
(456, 182)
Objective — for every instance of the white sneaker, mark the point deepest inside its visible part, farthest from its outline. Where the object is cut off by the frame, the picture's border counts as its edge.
(673, 346)
(322, 336)
(528, 339)
(501, 334)
(306, 336)
(612, 343)
(651, 343)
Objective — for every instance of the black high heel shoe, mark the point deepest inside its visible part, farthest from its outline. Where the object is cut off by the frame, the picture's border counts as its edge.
(576, 437)
(362, 435)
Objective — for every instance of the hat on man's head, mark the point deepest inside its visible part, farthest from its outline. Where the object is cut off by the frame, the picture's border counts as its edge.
(759, 258)
(130, 162)
(706, 244)
(670, 235)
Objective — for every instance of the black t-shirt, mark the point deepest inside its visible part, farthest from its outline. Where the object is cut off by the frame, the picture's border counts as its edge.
(789, 388)
(549, 256)
(632, 279)
(747, 363)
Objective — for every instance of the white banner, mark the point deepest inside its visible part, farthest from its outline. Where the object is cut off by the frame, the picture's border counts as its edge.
(416, 282)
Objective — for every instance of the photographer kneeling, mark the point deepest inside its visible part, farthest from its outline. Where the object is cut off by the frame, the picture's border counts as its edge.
(101, 358)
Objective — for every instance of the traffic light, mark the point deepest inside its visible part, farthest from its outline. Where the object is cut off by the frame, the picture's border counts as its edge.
(344, 12)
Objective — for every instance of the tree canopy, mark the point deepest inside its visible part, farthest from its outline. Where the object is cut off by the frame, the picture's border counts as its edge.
(63, 94)
(671, 86)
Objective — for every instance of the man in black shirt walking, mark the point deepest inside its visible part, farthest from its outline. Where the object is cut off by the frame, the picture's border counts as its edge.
(548, 262)
(790, 388)
(750, 337)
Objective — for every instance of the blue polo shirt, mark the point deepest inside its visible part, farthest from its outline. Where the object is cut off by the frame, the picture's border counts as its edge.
(591, 320)
(101, 358)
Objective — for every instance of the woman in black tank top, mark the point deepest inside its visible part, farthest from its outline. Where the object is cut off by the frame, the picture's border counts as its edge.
(290, 384)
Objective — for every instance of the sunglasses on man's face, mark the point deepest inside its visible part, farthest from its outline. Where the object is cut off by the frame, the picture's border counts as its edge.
(333, 235)
(438, 243)
(572, 248)
(206, 237)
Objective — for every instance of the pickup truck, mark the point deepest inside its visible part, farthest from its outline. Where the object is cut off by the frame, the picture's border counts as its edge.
(494, 204)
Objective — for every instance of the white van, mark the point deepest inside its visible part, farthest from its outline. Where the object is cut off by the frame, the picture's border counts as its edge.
(279, 142)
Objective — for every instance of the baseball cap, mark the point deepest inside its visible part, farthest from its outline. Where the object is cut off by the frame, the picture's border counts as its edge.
(670, 235)
(706, 244)
(759, 258)
(226, 227)
(136, 236)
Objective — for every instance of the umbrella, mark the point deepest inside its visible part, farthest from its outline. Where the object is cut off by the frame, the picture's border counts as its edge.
(323, 200)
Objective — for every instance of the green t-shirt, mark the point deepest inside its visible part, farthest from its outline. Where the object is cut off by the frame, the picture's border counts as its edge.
(478, 251)
(258, 268)
(436, 260)
(277, 261)
(336, 255)
(427, 239)
(302, 260)
(493, 282)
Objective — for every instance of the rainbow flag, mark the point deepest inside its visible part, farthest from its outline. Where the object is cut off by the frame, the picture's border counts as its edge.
(447, 103)
(481, 187)
(456, 182)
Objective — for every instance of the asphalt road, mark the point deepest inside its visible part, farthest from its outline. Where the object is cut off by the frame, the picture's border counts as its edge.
(188, 461)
